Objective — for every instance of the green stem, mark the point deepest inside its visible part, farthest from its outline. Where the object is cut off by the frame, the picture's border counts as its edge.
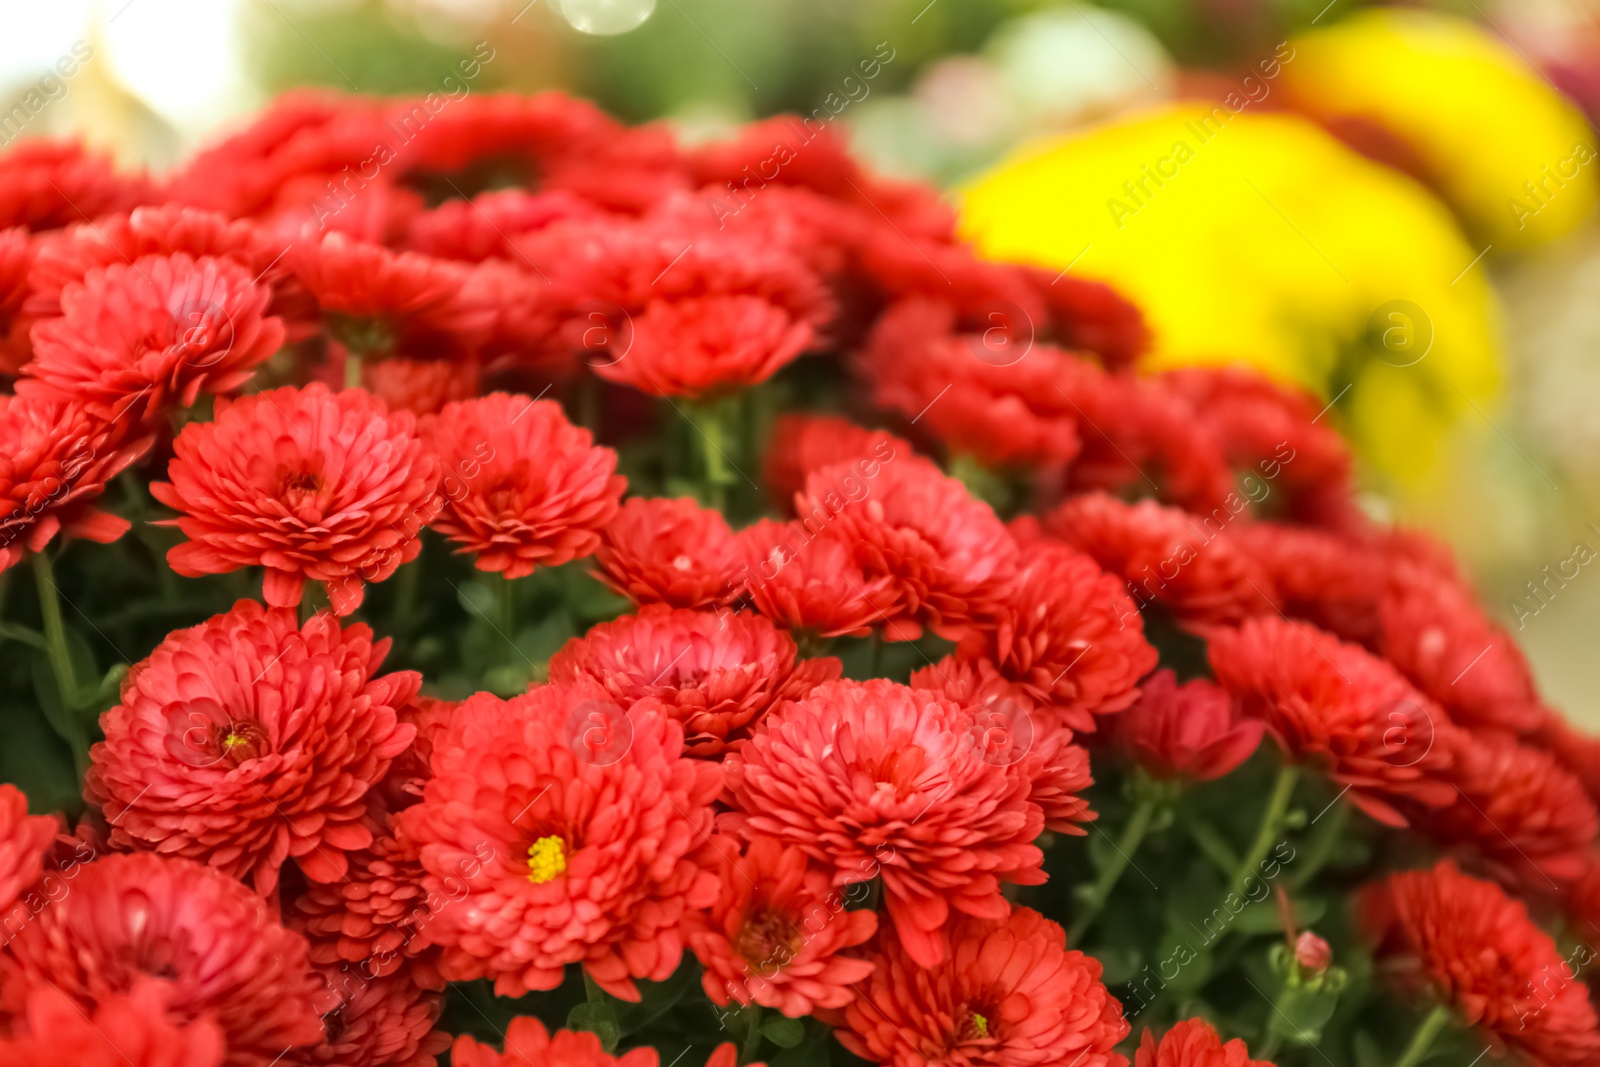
(1268, 1048)
(507, 609)
(752, 1035)
(710, 419)
(1422, 1040)
(1272, 819)
(352, 369)
(1132, 836)
(55, 632)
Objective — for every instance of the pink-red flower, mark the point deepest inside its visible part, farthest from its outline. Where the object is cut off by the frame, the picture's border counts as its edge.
(45, 185)
(717, 673)
(123, 1030)
(216, 947)
(248, 740)
(1192, 1043)
(1475, 950)
(670, 551)
(24, 839)
(802, 442)
(874, 778)
(1187, 731)
(776, 935)
(375, 1022)
(310, 485)
(528, 1042)
(523, 487)
(807, 578)
(573, 832)
(1010, 995)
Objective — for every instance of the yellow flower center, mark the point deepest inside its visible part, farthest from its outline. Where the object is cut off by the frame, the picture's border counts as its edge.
(547, 857)
(979, 1024)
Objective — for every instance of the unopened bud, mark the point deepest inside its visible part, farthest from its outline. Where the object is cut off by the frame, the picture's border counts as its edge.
(1312, 953)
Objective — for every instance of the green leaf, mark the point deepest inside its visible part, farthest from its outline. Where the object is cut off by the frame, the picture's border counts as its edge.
(37, 761)
(1264, 917)
(598, 1018)
(784, 1031)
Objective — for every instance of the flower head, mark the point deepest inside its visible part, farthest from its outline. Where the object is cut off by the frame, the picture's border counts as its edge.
(803, 442)
(24, 840)
(133, 1029)
(1192, 1043)
(45, 185)
(522, 485)
(1187, 731)
(309, 484)
(528, 1042)
(248, 740)
(385, 1021)
(876, 778)
(807, 579)
(670, 551)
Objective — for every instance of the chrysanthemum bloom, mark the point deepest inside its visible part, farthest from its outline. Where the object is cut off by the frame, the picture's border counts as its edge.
(248, 740)
(309, 484)
(1519, 807)
(45, 185)
(802, 442)
(775, 935)
(1192, 1043)
(1189, 563)
(1011, 995)
(420, 386)
(214, 943)
(379, 302)
(16, 258)
(807, 580)
(528, 1042)
(1068, 633)
(1011, 730)
(876, 778)
(375, 1022)
(670, 551)
(1476, 950)
(522, 487)
(708, 311)
(135, 340)
(949, 555)
(123, 1030)
(1341, 710)
(55, 458)
(1186, 732)
(1321, 577)
(24, 839)
(482, 227)
(566, 831)
(717, 673)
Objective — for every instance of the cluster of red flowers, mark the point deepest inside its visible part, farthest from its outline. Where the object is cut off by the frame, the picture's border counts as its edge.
(293, 853)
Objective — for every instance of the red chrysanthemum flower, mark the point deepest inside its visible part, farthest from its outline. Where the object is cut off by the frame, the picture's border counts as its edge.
(775, 935)
(1187, 732)
(24, 840)
(807, 579)
(214, 943)
(248, 740)
(309, 484)
(717, 673)
(125, 1030)
(1187, 562)
(376, 1022)
(16, 259)
(876, 778)
(1340, 709)
(45, 185)
(573, 832)
(420, 386)
(670, 551)
(802, 442)
(523, 487)
(1192, 1043)
(948, 554)
(528, 1042)
(1519, 807)
(1477, 951)
(1069, 635)
(55, 458)
(1317, 576)
(1012, 731)
(137, 339)
(483, 227)
(1010, 995)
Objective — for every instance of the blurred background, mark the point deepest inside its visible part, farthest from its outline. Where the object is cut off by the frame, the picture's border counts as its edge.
(1393, 207)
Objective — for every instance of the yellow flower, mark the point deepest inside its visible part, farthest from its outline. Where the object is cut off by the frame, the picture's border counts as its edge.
(1256, 237)
(1511, 155)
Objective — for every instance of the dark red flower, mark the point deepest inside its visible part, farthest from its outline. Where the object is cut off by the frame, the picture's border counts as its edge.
(1010, 995)
(1192, 1043)
(219, 952)
(775, 935)
(1069, 635)
(670, 551)
(55, 458)
(250, 739)
(1326, 579)
(873, 778)
(1342, 710)
(1185, 731)
(137, 339)
(522, 485)
(309, 484)
(717, 673)
(376, 1022)
(483, 227)
(1476, 950)
(571, 831)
